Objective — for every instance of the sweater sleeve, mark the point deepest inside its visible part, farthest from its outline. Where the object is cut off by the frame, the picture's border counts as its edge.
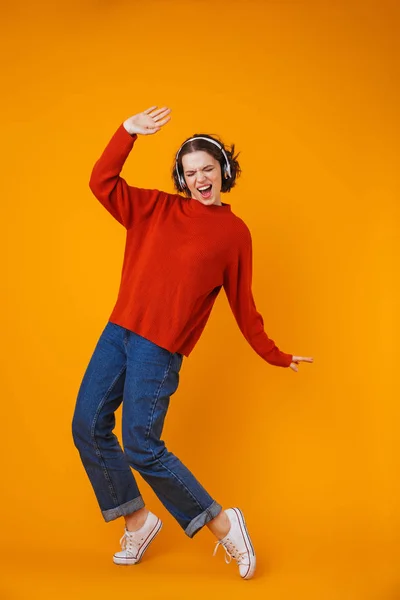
(237, 286)
(127, 204)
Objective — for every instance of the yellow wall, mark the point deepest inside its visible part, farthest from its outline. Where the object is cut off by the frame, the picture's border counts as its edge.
(308, 93)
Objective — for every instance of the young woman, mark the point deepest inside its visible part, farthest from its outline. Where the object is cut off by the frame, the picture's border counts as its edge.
(181, 249)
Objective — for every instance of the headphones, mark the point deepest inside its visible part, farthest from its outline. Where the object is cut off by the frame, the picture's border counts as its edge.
(227, 166)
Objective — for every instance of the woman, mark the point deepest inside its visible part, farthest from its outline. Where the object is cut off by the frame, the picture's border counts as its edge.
(180, 250)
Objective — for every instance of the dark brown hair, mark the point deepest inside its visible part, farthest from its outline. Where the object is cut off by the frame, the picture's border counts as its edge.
(210, 148)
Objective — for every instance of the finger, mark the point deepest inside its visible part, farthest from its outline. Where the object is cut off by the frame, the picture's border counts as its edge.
(303, 359)
(164, 109)
(148, 110)
(161, 115)
(163, 121)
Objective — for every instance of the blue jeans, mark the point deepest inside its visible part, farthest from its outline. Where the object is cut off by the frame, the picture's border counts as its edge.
(127, 367)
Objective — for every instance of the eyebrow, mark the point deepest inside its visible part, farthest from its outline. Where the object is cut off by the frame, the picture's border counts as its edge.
(190, 170)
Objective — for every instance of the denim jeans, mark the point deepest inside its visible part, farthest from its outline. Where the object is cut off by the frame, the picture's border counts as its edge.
(126, 367)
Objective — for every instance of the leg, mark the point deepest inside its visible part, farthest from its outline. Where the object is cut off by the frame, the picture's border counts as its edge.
(152, 377)
(100, 394)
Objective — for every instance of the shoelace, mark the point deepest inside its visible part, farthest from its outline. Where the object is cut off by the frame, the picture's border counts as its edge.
(128, 543)
(231, 551)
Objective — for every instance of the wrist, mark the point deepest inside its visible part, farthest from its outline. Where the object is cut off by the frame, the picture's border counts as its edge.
(128, 129)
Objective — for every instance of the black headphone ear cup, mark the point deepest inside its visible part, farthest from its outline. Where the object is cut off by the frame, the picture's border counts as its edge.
(182, 181)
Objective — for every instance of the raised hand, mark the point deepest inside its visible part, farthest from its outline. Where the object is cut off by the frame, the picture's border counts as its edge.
(298, 359)
(147, 122)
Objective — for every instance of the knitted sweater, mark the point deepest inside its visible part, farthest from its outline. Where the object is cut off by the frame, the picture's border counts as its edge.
(179, 253)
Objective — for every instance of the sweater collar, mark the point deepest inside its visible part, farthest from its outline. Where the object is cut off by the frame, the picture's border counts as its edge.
(196, 207)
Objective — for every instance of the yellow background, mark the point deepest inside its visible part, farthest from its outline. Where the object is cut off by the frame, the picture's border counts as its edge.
(308, 92)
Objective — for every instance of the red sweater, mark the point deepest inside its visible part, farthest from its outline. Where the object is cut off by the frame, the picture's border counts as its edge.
(178, 255)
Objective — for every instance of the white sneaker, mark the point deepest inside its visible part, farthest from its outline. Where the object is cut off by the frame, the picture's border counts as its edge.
(237, 544)
(135, 543)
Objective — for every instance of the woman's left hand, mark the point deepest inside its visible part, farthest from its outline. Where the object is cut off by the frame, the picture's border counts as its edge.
(297, 359)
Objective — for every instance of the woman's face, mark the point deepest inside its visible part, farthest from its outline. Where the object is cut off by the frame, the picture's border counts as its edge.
(202, 170)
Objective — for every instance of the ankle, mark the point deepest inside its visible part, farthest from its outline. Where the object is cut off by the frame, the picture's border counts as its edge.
(223, 532)
(220, 525)
(136, 520)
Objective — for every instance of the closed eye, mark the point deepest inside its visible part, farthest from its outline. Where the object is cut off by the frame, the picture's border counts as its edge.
(190, 173)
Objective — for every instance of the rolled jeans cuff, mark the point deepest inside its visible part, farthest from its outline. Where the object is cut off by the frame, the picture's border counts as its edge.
(123, 509)
(207, 515)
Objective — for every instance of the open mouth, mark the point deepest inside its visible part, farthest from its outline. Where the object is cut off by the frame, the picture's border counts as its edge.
(206, 191)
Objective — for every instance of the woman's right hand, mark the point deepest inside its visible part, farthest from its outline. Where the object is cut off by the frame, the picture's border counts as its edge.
(147, 122)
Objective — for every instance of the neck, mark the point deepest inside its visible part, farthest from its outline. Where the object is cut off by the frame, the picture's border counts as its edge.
(216, 203)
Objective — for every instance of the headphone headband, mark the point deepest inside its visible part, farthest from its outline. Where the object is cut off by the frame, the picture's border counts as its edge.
(199, 137)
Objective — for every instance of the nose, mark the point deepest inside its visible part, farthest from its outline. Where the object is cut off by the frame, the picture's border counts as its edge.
(200, 178)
